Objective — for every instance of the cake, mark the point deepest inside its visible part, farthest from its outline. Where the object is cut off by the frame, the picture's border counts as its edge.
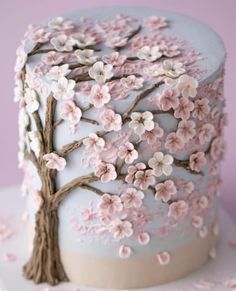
(121, 136)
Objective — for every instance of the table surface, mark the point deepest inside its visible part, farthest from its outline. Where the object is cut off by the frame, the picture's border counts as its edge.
(13, 253)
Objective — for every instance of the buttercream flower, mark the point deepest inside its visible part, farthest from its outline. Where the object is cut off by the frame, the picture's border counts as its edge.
(121, 229)
(186, 130)
(70, 112)
(155, 22)
(20, 59)
(140, 122)
(197, 221)
(85, 57)
(99, 95)
(149, 54)
(132, 198)
(201, 108)
(114, 59)
(127, 152)
(161, 164)
(143, 238)
(144, 179)
(184, 108)
(54, 162)
(56, 72)
(132, 170)
(31, 100)
(189, 187)
(35, 142)
(40, 35)
(172, 69)
(106, 172)
(132, 82)
(111, 120)
(116, 41)
(217, 149)
(59, 24)
(153, 135)
(197, 161)
(52, 58)
(62, 43)
(165, 190)
(168, 99)
(187, 86)
(94, 142)
(163, 258)
(83, 40)
(63, 89)
(169, 51)
(178, 210)
(174, 142)
(101, 72)
(125, 252)
(206, 133)
(110, 203)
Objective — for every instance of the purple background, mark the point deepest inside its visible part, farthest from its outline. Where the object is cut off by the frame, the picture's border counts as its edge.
(15, 17)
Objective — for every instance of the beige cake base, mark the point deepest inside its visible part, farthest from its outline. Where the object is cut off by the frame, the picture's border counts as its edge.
(112, 273)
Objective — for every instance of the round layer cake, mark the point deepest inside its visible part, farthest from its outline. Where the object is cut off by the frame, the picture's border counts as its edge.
(121, 134)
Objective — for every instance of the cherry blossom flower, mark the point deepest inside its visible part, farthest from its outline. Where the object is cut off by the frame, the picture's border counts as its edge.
(101, 72)
(184, 108)
(149, 54)
(94, 142)
(163, 258)
(206, 133)
(197, 161)
(165, 190)
(52, 58)
(132, 198)
(151, 137)
(187, 86)
(54, 162)
(125, 252)
(35, 142)
(63, 89)
(203, 202)
(127, 152)
(168, 99)
(178, 210)
(169, 51)
(132, 170)
(174, 142)
(116, 41)
(70, 112)
(201, 108)
(155, 22)
(121, 229)
(59, 24)
(189, 187)
(144, 179)
(172, 69)
(110, 203)
(83, 40)
(197, 221)
(132, 82)
(40, 35)
(217, 149)
(203, 232)
(85, 57)
(62, 43)
(111, 120)
(161, 164)
(20, 59)
(114, 59)
(143, 238)
(186, 130)
(140, 122)
(231, 284)
(31, 100)
(106, 172)
(56, 72)
(99, 95)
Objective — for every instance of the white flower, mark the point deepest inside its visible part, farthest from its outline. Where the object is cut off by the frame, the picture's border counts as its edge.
(56, 72)
(63, 89)
(82, 40)
(85, 57)
(171, 69)
(101, 72)
(63, 43)
(140, 122)
(161, 164)
(59, 23)
(150, 54)
(31, 100)
(132, 82)
(35, 142)
(187, 86)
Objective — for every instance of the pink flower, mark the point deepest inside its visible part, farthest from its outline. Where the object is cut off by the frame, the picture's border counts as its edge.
(110, 203)
(114, 59)
(165, 190)
(186, 130)
(184, 108)
(111, 120)
(125, 252)
(144, 179)
(178, 210)
(70, 112)
(52, 58)
(62, 43)
(201, 108)
(174, 142)
(206, 133)
(106, 172)
(197, 161)
(8, 257)
(116, 41)
(197, 221)
(132, 82)
(217, 149)
(152, 136)
(59, 24)
(40, 35)
(161, 164)
(163, 258)
(63, 89)
(169, 99)
(121, 229)
(128, 152)
(231, 284)
(187, 86)
(5, 232)
(155, 22)
(56, 72)
(149, 54)
(169, 51)
(132, 170)
(143, 238)
(54, 161)
(132, 198)
(99, 95)
(94, 142)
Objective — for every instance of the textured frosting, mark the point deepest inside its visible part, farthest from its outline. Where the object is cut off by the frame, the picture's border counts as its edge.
(143, 127)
